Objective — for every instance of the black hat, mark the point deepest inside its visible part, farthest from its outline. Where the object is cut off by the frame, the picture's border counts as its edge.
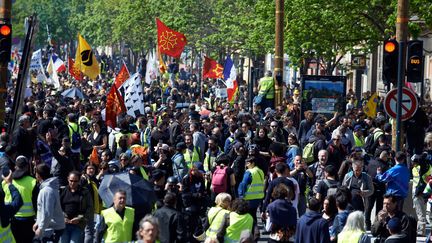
(157, 174)
(21, 162)
(181, 146)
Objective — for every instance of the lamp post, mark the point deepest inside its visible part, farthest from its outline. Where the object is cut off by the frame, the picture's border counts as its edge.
(279, 54)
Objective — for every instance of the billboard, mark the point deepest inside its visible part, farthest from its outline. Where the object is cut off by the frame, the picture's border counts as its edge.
(323, 94)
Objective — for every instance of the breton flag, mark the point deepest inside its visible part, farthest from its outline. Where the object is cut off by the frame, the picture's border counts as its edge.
(230, 76)
(132, 93)
(85, 60)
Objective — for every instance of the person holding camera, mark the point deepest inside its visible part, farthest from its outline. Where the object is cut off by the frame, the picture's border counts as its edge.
(8, 210)
(302, 174)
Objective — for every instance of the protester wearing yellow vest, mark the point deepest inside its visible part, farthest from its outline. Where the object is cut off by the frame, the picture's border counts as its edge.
(251, 188)
(117, 221)
(7, 211)
(266, 89)
(237, 221)
(359, 140)
(354, 229)
(192, 153)
(421, 171)
(26, 185)
(215, 215)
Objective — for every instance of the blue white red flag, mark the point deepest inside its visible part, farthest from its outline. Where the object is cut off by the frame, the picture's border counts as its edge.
(230, 76)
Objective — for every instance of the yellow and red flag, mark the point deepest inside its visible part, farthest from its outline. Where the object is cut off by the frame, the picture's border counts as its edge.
(73, 71)
(114, 106)
(122, 76)
(170, 42)
(212, 69)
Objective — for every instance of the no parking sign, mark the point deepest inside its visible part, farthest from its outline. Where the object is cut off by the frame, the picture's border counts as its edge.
(409, 103)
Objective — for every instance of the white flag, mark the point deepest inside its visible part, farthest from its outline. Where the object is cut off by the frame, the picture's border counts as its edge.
(151, 68)
(132, 93)
(53, 79)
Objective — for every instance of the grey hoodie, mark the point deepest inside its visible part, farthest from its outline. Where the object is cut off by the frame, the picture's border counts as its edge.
(49, 212)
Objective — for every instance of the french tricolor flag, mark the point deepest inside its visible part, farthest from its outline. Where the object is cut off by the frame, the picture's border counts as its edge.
(58, 64)
(230, 76)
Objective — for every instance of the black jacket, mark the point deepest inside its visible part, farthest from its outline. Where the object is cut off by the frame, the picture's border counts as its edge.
(171, 225)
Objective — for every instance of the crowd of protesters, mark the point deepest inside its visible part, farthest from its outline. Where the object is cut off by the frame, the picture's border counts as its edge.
(215, 167)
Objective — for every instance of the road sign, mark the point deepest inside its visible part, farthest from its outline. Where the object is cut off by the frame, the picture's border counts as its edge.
(409, 103)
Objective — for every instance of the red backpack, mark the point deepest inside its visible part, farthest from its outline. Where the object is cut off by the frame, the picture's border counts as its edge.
(219, 180)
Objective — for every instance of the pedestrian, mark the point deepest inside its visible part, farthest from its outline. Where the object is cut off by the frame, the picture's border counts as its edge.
(23, 220)
(171, 221)
(8, 210)
(360, 184)
(77, 206)
(216, 214)
(117, 221)
(50, 222)
(394, 227)
(148, 230)
(236, 222)
(354, 230)
(397, 179)
(266, 91)
(311, 227)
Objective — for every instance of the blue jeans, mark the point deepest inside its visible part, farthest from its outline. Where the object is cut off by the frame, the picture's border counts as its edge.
(72, 234)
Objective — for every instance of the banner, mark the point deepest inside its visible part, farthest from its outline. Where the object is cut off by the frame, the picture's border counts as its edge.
(212, 69)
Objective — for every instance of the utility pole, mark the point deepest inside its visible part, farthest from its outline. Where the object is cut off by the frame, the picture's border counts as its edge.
(279, 54)
(401, 37)
(5, 18)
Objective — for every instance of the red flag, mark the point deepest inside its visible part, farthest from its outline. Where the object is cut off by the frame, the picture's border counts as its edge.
(170, 42)
(212, 69)
(122, 76)
(114, 106)
(73, 71)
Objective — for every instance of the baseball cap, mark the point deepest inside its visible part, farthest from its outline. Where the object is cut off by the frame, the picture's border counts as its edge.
(394, 224)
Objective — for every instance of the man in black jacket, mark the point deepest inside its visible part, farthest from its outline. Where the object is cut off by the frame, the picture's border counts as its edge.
(170, 221)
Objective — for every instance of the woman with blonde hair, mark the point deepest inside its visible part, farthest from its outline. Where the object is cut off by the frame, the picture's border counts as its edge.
(216, 214)
(354, 229)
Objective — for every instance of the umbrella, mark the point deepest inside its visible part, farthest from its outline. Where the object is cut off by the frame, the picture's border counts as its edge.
(139, 192)
(72, 93)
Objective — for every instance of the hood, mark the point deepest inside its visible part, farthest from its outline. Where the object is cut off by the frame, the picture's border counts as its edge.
(50, 182)
(311, 217)
(314, 138)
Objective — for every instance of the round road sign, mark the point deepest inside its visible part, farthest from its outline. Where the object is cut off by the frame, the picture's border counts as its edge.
(409, 103)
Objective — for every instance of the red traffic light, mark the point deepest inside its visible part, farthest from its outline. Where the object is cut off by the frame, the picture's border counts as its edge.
(390, 47)
(5, 30)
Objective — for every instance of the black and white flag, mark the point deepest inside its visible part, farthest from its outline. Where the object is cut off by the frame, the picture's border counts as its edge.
(132, 93)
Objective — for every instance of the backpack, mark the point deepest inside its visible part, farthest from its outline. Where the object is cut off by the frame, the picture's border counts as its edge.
(75, 138)
(331, 188)
(220, 179)
(370, 142)
(308, 153)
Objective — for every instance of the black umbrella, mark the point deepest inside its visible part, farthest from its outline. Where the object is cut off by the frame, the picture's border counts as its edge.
(139, 192)
(72, 93)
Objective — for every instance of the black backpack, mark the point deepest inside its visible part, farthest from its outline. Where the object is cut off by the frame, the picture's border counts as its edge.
(75, 138)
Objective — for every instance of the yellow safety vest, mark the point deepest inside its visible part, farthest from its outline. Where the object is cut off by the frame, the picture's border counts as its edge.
(237, 224)
(118, 229)
(267, 87)
(25, 188)
(215, 217)
(359, 141)
(349, 236)
(6, 235)
(210, 161)
(416, 175)
(256, 189)
(144, 173)
(191, 158)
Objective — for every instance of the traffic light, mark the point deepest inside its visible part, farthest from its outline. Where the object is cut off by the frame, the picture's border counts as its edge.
(5, 42)
(390, 61)
(415, 63)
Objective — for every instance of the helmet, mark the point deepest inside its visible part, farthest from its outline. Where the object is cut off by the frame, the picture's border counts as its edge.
(172, 179)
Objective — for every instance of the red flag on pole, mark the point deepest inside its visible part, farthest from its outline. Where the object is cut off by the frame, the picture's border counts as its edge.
(170, 42)
(212, 69)
(114, 106)
(73, 71)
(122, 76)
